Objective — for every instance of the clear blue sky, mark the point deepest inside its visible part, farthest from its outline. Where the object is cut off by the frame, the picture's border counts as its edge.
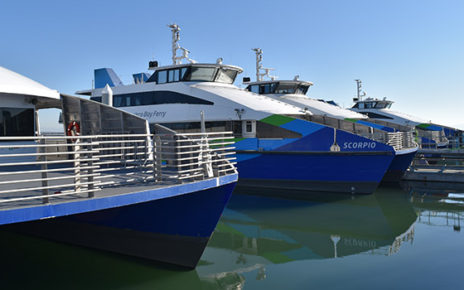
(409, 51)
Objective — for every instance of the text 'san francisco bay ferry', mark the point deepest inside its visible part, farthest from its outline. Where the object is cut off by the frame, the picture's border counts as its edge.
(108, 183)
(277, 147)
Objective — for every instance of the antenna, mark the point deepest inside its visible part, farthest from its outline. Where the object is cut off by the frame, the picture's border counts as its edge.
(259, 66)
(175, 29)
(359, 94)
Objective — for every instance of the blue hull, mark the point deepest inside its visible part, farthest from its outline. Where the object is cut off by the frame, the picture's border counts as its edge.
(172, 229)
(346, 172)
(398, 167)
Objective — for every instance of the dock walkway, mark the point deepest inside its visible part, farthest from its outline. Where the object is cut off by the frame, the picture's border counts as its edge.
(437, 166)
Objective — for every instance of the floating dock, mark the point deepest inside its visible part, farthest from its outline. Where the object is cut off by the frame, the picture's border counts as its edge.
(432, 165)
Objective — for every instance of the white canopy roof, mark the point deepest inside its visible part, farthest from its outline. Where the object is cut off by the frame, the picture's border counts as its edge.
(14, 83)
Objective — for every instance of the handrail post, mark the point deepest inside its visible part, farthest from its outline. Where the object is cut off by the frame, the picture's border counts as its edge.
(90, 171)
(157, 159)
(44, 174)
(77, 166)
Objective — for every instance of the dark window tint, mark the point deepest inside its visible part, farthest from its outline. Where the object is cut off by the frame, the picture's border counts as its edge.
(376, 116)
(156, 98)
(16, 122)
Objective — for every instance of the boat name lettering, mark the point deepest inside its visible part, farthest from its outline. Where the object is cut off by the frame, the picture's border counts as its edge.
(149, 115)
(359, 145)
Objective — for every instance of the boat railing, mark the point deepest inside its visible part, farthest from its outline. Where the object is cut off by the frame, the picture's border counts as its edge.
(398, 140)
(44, 169)
(435, 137)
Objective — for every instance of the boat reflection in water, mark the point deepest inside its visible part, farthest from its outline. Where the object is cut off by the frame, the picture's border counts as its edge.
(438, 204)
(255, 231)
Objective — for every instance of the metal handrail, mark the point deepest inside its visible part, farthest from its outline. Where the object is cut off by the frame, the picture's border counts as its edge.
(49, 168)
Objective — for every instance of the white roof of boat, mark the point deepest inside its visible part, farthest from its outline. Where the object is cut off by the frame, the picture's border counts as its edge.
(14, 83)
(321, 108)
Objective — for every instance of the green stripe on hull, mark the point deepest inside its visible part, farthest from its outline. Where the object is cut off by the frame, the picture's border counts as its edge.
(277, 120)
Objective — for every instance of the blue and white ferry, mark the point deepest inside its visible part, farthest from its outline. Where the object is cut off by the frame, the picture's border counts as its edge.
(107, 182)
(428, 134)
(293, 92)
(277, 147)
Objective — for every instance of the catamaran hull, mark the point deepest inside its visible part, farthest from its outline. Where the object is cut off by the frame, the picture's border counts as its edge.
(344, 172)
(172, 230)
(398, 167)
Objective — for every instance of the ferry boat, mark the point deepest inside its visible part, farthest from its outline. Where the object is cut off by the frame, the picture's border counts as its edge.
(429, 135)
(106, 182)
(294, 92)
(276, 146)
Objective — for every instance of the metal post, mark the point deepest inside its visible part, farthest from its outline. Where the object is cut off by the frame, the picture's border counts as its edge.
(77, 166)
(157, 159)
(90, 171)
(44, 173)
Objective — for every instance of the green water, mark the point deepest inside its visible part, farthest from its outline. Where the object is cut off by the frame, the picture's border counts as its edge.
(393, 239)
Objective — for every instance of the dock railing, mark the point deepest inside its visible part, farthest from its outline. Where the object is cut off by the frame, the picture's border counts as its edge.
(44, 169)
(439, 162)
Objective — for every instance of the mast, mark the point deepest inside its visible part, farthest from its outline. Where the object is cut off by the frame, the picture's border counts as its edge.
(359, 94)
(259, 66)
(175, 29)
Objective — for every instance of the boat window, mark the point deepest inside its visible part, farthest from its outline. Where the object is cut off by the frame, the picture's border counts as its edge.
(202, 74)
(370, 105)
(16, 122)
(182, 73)
(249, 127)
(226, 76)
(302, 90)
(376, 116)
(254, 89)
(286, 89)
(156, 98)
(381, 105)
(266, 89)
(162, 77)
(174, 75)
(361, 105)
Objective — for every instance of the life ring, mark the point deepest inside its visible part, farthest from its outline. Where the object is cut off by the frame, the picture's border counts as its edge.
(73, 130)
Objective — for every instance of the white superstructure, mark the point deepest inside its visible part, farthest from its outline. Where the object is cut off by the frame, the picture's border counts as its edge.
(179, 92)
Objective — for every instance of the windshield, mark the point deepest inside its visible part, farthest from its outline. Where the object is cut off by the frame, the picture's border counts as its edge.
(201, 74)
(226, 76)
(194, 73)
(286, 88)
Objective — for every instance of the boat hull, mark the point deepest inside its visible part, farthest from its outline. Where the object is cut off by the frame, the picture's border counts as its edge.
(398, 167)
(344, 172)
(172, 230)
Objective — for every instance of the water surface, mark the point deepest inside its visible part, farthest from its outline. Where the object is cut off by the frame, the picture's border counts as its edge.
(393, 239)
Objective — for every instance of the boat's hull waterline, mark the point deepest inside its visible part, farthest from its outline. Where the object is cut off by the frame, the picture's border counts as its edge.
(174, 228)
